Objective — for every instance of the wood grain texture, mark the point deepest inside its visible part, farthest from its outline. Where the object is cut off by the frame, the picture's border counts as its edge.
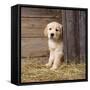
(34, 44)
(33, 23)
(65, 36)
(39, 12)
(82, 28)
(34, 27)
(77, 36)
(31, 47)
(70, 36)
(74, 35)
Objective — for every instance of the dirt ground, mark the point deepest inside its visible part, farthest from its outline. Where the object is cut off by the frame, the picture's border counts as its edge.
(34, 70)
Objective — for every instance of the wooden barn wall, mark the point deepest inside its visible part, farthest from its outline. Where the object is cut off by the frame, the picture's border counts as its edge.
(33, 22)
(34, 43)
(74, 26)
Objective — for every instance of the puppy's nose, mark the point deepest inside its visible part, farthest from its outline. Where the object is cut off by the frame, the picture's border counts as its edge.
(52, 34)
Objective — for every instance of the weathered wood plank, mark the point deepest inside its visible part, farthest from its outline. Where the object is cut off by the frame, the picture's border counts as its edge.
(82, 28)
(29, 33)
(39, 12)
(31, 47)
(37, 22)
(65, 36)
(74, 26)
(77, 36)
(34, 27)
(70, 36)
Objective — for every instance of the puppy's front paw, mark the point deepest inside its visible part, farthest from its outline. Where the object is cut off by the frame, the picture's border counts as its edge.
(53, 68)
(48, 65)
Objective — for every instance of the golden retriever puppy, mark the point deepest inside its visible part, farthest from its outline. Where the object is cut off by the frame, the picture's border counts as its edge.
(54, 32)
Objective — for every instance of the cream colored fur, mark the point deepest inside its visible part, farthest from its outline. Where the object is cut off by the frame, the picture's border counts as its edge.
(55, 44)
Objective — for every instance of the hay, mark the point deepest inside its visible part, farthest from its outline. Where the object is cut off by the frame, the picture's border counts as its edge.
(33, 70)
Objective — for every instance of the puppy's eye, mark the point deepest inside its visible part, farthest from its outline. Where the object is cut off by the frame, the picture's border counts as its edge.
(56, 29)
(50, 28)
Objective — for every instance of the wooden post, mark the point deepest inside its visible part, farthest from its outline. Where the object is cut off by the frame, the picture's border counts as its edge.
(74, 26)
(65, 36)
(77, 36)
(82, 28)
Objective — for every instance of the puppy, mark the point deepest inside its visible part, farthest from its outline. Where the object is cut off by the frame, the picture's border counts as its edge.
(54, 32)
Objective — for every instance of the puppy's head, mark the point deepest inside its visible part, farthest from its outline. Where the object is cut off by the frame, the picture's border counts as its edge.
(53, 30)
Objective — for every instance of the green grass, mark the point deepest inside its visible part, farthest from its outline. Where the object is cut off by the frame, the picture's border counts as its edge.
(33, 70)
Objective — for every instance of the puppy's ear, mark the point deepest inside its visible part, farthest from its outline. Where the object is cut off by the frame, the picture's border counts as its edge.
(61, 28)
(62, 31)
(46, 31)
